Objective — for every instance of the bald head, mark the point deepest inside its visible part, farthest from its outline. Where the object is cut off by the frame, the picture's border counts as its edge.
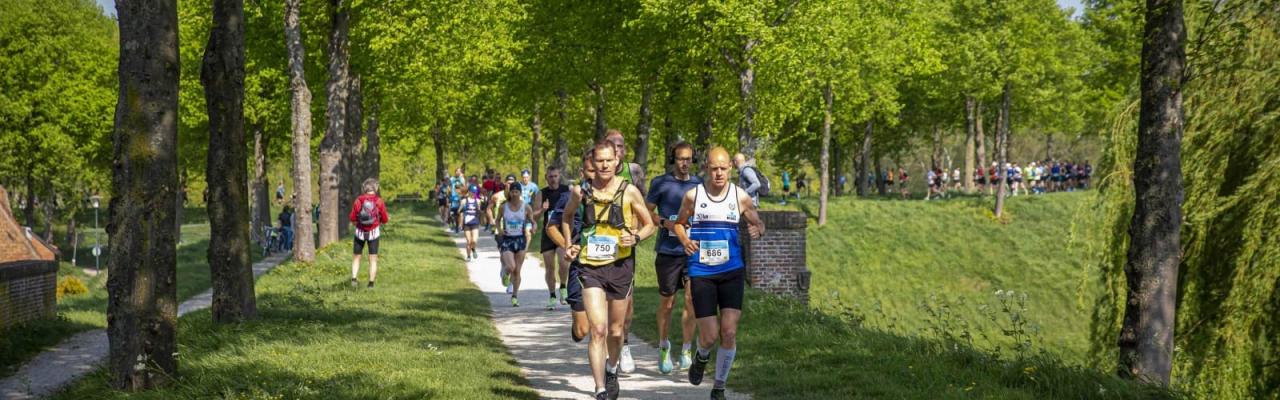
(739, 159)
(718, 167)
(719, 155)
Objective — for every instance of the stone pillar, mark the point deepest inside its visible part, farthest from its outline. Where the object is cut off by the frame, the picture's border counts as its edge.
(776, 261)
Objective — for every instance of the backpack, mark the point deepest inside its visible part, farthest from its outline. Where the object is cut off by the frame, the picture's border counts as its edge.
(765, 186)
(368, 213)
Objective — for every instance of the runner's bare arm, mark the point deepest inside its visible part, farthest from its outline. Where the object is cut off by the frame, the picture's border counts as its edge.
(529, 226)
(542, 206)
(681, 224)
(755, 227)
(645, 218)
(566, 223)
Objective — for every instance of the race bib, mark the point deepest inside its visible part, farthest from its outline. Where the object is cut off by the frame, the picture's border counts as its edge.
(602, 248)
(515, 226)
(672, 232)
(713, 252)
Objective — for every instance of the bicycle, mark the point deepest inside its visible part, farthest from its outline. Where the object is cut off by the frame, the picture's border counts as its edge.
(273, 240)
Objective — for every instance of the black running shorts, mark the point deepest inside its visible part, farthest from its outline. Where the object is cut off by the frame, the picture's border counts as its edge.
(546, 244)
(717, 292)
(575, 288)
(672, 272)
(511, 244)
(616, 279)
(359, 246)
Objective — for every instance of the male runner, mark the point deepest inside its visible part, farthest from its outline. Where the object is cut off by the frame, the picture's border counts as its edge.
(614, 221)
(716, 267)
(665, 196)
(548, 202)
(634, 174)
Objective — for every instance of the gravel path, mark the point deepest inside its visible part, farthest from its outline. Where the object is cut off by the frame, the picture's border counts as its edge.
(539, 339)
(83, 353)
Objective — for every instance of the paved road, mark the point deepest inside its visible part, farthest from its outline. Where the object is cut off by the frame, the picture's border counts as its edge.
(539, 339)
(62, 365)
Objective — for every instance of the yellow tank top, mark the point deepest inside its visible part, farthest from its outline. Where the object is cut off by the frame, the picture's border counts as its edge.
(601, 244)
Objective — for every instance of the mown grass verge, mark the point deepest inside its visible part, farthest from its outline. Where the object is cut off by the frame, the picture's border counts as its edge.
(423, 332)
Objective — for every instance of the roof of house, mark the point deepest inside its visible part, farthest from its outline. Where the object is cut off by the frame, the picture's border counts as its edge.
(16, 242)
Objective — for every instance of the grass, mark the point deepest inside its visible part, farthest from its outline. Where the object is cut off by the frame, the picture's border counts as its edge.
(88, 311)
(891, 252)
(423, 332)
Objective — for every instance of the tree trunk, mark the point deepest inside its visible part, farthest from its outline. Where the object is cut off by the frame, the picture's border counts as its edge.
(703, 140)
(827, 100)
(142, 306)
(372, 147)
(644, 127)
(304, 245)
(351, 170)
(980, 137)
(47, 205)
(881, 184)
(261, 187)
(180, 206)
(1002, 148)
(1151, 268)
(222, 76)
(746, 89)
(437, 141)
(601, 118)
(335, 114)
(865, 158)
(935, 157)
(970, 133)
(1048, 146)
(535, 144)
(73, 239)
(562, 146)
(29, 210)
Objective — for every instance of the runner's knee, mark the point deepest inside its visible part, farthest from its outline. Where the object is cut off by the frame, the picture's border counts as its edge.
(728, 336)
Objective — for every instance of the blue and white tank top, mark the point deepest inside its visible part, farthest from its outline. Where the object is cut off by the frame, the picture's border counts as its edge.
(513, 221)
(471, 211)
(715, 226)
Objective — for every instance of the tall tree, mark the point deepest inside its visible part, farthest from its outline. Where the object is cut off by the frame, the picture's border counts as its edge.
(336, 121)
(260, 187)
(222, 75)
(142, 307)
(350, 170)
(304, 246)
(1146, 336)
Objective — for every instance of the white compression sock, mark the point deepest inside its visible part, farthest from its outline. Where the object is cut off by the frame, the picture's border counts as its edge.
(724, 361)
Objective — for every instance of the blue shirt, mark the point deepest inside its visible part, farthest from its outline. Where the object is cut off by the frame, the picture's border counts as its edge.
(668, 193)
(527, 191)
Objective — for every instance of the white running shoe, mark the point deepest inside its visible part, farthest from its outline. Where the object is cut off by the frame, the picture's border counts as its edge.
(626, 363)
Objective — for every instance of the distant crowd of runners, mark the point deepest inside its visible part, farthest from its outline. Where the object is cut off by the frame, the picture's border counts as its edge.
(1036, 177)
(590, 228)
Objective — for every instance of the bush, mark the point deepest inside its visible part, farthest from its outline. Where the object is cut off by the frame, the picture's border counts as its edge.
(71, 286)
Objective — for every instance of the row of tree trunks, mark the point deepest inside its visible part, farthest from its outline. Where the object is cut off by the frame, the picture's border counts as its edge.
(1151, 269)
(142, 307)
(304, 246)
(864, 158)
(1002, 147)
(827, 100)
(335, 115)
(222, 75)
(562, 145)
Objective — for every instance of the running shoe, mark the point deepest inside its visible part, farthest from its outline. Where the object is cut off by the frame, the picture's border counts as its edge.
(509, 289)
(627, 364)
(611, 384)
(506, 281)
(551, 303)
(370, 285)
(355, 283)
(698, 368)
(564, 295)
(686, 358)
(664, 360)
(717, 394)
(602, 396)
(515, 302)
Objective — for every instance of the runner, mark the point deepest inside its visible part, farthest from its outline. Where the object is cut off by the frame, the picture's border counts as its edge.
(902, 183)
(517, 227)
(368, 213)
(547, 200)
(749, 176)
(614, 221)
(634, 174)
(469, 214)
(495, 209)
(574, 295)
(671, 264)
(442, 201)
(457, 184)
(716, 267)
(527, 188)
(786, 186)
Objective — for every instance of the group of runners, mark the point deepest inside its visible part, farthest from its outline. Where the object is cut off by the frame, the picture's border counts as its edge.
(590, 231)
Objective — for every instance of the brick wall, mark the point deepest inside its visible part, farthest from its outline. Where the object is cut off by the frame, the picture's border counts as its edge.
(27, 291)
(776, 261)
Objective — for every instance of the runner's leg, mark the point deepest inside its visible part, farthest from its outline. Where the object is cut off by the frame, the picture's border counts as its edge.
(517, 262)
(598, 323)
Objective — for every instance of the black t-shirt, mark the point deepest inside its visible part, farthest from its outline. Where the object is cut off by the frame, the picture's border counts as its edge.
(552, 197)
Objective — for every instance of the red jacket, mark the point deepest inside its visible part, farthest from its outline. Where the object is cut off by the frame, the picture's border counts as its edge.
(380, 206)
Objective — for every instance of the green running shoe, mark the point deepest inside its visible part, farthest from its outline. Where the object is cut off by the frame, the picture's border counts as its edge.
(564, 296)
(686, 358)
(551, 303)
(515, 302)
(664, 360)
